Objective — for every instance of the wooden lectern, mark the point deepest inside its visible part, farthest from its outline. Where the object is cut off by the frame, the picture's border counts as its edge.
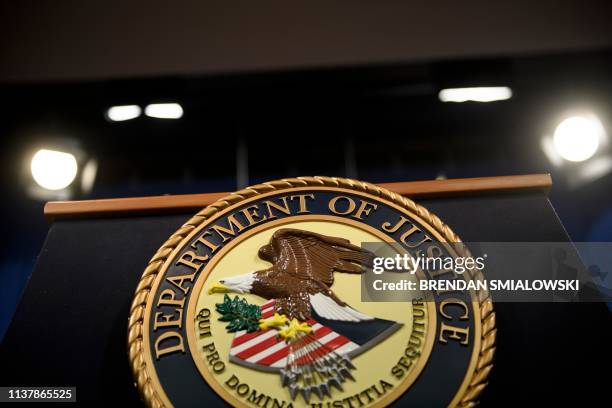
(70, 326)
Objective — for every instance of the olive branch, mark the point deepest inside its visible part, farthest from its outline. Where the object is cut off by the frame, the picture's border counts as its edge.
(240, 314)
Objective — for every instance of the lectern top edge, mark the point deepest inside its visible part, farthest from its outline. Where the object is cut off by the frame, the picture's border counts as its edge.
(173, 203)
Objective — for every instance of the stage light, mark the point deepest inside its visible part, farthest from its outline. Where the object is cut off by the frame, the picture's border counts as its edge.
(476, 94)
(164, 110)
(123, 112)
(577, 138)
(53, 170)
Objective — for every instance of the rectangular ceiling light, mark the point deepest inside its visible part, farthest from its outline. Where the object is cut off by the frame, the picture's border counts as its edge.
(476, 94)
(164, 110)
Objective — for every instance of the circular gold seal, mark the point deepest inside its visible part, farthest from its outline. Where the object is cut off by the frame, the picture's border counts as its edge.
(259, 300)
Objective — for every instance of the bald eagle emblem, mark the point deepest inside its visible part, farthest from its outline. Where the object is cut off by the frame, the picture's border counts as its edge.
(306, 332)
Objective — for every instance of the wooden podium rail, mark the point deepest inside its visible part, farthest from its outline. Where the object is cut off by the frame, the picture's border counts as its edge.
(414, 189)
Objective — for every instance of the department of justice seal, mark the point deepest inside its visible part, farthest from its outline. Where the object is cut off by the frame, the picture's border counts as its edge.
(256, 301)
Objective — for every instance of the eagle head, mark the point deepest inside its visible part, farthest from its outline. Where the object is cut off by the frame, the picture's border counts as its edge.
(236, 284)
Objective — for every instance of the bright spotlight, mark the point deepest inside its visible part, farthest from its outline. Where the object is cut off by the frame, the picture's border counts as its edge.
(164, 110)
(476, 94)
(53, 170)
(577, 138)
(123, 112)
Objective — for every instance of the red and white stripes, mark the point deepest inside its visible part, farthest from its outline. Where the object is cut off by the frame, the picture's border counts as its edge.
(264, 348)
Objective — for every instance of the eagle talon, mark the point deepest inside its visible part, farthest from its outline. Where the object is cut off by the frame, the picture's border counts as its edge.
(275, 321)
(291, 332)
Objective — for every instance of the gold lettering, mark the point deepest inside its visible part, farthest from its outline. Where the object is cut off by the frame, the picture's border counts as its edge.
(205, 242)
(457, 333)
(350, 207)
(232, 382)
(415, 341)
(191, 260)
(178, 281)
(457, 302)
(230, 231)
(388, 228)
(167, 337)
(252, 215)
(203, 319)
(167, 297)
(411, 231)
(302, 201)
(242, 389)
(366, 393)
(284, 209)
(167, 320)
(254, 398)
(385, 385)
(364, 208)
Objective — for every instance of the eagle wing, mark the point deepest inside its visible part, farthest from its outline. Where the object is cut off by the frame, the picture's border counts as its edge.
(313, 256)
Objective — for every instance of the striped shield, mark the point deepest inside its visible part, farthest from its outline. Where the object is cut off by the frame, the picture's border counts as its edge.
(264, 350)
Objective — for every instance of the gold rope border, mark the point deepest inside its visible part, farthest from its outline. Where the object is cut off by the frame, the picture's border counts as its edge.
(137, 310)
